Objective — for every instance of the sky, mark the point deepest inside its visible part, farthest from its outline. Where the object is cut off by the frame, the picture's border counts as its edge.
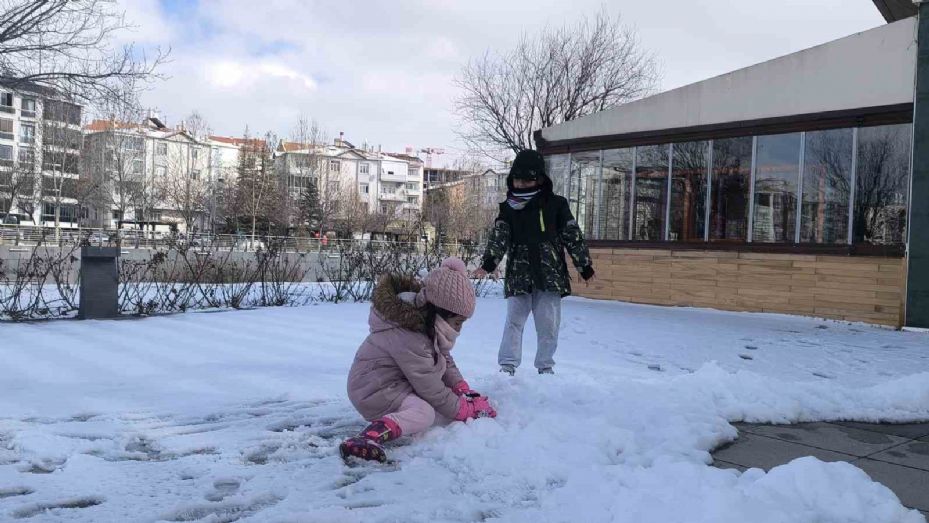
(383, 72)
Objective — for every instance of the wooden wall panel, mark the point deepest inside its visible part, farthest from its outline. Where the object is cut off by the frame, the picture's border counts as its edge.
(868, 289)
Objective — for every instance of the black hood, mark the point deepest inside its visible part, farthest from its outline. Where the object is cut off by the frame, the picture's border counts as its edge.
(545, 183)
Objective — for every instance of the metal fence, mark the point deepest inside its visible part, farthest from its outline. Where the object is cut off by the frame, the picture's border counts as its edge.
(31, 236)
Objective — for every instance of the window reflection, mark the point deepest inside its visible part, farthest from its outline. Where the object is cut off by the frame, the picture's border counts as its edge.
(732, 164)
(827, 171)
(585, 171)
(651, 190)
(688, 191)
(777, 176)
(617, 193)
(882, 181)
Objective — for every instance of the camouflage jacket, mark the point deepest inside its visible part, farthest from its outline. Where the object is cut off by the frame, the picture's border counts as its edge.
(534, 240)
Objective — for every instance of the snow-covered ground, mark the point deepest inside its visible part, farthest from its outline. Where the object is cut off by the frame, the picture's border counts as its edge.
(235, 416)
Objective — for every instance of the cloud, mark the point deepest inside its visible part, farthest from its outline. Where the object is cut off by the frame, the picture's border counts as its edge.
(383, 71)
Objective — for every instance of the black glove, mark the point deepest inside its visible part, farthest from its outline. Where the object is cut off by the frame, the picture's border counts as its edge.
(587, 272)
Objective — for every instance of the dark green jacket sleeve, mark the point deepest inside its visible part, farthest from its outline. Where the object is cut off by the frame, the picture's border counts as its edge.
(497, 245)
(573, 240)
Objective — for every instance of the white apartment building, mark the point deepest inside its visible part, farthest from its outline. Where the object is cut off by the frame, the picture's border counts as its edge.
(153, 177)
(386, 183)
(40, 142)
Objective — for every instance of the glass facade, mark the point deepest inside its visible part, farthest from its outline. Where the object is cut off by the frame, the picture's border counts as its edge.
(882, 183)
(615, 211)
(777, 182)
(827, 182)
(729, 189)
(817, 187)
(651, 192)
(582, 195)
(689, 169)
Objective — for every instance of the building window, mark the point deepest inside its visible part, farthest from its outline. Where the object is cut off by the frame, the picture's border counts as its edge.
(117, 215)
(6, 103)
(28, 109)
(651, 192)
(194, 153)
(161, 149)
(195, 174)
(26, 133)
(777, 176)
(729, 191)
(6, 128)
(882, 181)
(363, 188)
(6, 153)
(64, 112)
(135, 143)
(66, 213)
(363, 168)
(334, 166)
(557, 166)
(412, 200)
(412, 187)
(161, 170)
(585, 171)
(688, 191)
(26, 156)
(827, 176)
(617, 194)
(137, 166)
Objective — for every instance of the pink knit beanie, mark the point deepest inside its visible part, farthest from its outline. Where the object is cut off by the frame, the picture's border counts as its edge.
(448, 287)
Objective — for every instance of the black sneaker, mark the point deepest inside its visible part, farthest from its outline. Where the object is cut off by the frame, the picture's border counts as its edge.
(547, 370)
(509, 369)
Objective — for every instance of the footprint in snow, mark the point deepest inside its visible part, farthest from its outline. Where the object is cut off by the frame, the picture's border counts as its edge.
(746, 357)
(34, 509)
(823, 375)
(225, 511)
(223, 488)
(11, 492)
(655, 367)
(751, 347)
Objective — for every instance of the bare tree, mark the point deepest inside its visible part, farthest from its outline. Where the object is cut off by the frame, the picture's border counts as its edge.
(62, 141)
(255, 183)
(553, 77)
(68, 46)
(113, 158)
(17, 185)
(185, 186)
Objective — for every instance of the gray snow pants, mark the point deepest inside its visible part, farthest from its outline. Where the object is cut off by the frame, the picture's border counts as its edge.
(546, 314)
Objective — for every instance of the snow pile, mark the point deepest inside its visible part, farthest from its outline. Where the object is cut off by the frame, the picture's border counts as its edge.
(236, 416)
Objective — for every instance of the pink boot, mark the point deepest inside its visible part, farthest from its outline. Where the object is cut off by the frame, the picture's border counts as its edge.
(368, 443)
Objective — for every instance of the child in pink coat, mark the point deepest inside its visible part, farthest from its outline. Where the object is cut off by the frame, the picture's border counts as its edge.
(403, 373)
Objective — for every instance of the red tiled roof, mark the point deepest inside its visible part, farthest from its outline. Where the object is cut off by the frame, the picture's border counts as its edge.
(106, 125)
(238, 142)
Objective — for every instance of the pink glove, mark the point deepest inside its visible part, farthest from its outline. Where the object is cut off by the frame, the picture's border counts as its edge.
(461, 388)
(474, 407)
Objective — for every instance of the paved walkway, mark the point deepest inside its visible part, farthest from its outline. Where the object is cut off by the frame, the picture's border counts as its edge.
(896, 455)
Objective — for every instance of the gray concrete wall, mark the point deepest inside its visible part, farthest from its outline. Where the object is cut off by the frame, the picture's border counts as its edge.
(869, 69)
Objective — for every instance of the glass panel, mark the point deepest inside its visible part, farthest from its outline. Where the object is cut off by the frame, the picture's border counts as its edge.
(882, 182)
(585, 169)
(688, 191)
(557, 168)
(617, 191)
(777, 177)
(651, 192)
(732, 166)
(827, 177)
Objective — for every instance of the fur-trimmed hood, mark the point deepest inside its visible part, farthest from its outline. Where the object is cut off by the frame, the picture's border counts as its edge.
(391, 310)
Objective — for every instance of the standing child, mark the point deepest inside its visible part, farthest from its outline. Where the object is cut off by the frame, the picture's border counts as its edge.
(533, 229)
(404, 373)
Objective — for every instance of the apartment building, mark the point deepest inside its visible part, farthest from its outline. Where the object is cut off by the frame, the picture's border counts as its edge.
(40, 142)
(357, 177)
(149, 176)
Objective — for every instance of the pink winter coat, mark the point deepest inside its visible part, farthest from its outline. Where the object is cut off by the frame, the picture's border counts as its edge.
(398, 358)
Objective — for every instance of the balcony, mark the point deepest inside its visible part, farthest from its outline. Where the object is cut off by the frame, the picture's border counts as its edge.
(393, 176)
(393, 197)
(7, 109)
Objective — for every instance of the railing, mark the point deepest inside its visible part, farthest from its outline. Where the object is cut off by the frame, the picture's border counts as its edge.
(31, 236)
